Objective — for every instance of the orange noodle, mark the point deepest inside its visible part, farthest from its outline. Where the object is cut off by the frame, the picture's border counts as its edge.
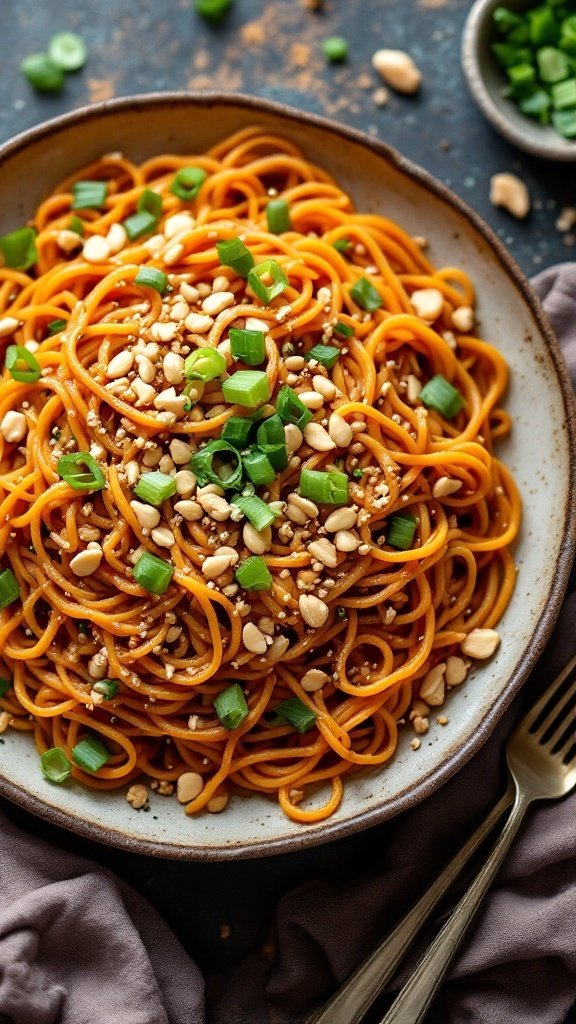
(362, 605)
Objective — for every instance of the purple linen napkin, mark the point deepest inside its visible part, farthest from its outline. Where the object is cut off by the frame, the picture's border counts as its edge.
(78, 945)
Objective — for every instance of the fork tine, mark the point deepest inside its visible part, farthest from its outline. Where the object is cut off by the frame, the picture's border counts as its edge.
(531, 716)
(553, 719)
(564, 724)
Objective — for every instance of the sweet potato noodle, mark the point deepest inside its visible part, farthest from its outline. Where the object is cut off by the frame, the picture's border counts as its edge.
(353, 611)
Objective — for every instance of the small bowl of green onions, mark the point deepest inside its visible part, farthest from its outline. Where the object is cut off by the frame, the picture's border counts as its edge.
(519, 57)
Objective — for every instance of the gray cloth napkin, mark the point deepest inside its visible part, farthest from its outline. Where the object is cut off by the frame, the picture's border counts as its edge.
(77, 945)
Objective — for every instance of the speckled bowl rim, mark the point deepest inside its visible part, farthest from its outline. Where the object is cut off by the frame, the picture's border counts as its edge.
(526, 662)
(550, 148)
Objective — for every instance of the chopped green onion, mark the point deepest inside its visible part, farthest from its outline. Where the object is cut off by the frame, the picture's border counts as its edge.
(262, 290)
(365, 295)
(295, 712)
(553, 65)
(139, 224)
(522, 80)
(508, 55)
(342, 244)
(505, 20)
(344, 329)
(81, 471)
(188, 182)
(150, 277)
(55, 766)
(21, 364)
(107, 687)
(233, 253)
(19, 248)
(259, 468)
(291, 408)
(231, 707)
(217, 463)
(327, 487)
(155, 487)
(153, 574)
(443, 397)
(68, 51)
(42, 72)
(236, 431)
(401, 532)
(90, 754)
(257, 511)
(542, 26)
(536, 105)
(277, 455)
(55, 326)
(358, 473)
(278, 216)
(89, 195)
(204, 364)
(213, 10)
(151, 202)
(5, 685)
(327, 355)
(250, 346)
(335, 49)
(253, 574)
(76, 225)
(271, 431)
(564, 95)
(9, 588)
(249, 388)
(568, 35)
(519, 35)
(564, 122)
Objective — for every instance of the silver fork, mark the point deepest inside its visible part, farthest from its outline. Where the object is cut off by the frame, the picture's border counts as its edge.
(542, 763)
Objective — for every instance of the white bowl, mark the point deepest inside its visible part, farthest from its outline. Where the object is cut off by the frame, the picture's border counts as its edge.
(540, 452)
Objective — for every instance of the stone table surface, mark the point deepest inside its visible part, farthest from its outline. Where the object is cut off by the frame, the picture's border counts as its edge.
(273, 49)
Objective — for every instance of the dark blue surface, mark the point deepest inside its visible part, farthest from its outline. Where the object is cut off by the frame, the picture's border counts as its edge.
(274, 50)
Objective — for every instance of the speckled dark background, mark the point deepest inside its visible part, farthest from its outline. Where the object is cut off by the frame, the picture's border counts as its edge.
(273, 49)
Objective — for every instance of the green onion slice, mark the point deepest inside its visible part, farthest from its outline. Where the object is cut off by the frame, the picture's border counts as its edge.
(204, 364)
(107, 687)
(188, 182)
(5, 685)
(81, 471)
(253, 574)
(439, 394)
(259, 468)
(55, 326)
(236, 431)
(9, 588)
(55, 766)
(231, 707)
(277, 455)
(155, 487)
(76, 225)
(42, 72)
(217, 463)
(335, 49)
(151, 202)
(233, 253)
(19, 248)
(271, 431)
(250, 346)
(249, 388)
(89, 195)
(21, 364)
(401, 531)
(153, 574)
(68, 51)
(150, 277)
(327, 355)
(326, 487)
(295, 712)
(344, 329)
(267, 280)
(278, 216)
(257, 511)
(291, 408)
(90, 754)
(342, 244)
(139, 224)
(365, 295)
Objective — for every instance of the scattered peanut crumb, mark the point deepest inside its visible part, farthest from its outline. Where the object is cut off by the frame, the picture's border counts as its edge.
(381, 96)
(442, 720)
(137, 796)
(415, 743)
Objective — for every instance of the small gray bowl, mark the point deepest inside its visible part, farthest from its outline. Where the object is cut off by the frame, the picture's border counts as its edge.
(486, 81)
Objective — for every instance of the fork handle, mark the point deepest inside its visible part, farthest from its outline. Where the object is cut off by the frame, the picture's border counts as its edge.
(356, 995)
(415, 997)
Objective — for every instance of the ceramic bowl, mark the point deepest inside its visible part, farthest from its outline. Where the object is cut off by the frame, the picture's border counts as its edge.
(540, 452)
(487, 80)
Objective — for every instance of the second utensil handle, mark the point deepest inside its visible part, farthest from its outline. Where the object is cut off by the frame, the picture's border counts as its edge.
(415, 997)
